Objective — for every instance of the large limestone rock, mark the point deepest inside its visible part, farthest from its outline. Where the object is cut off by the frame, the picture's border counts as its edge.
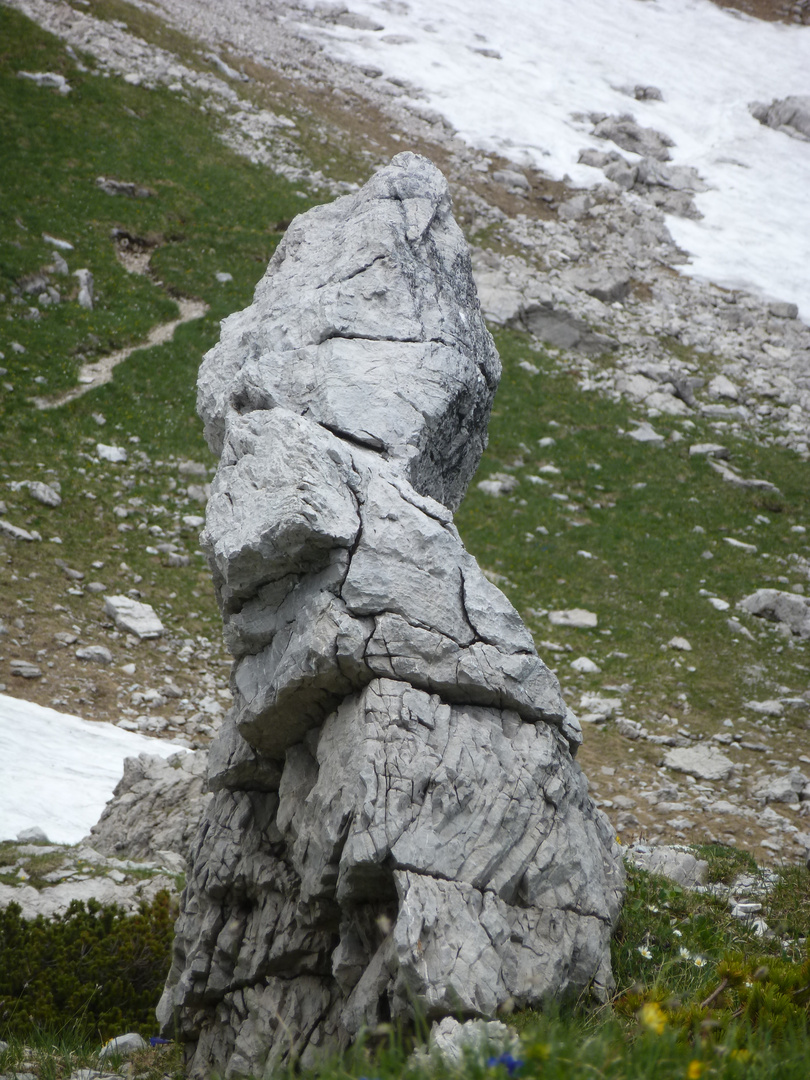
(398, 821)
(156, 808)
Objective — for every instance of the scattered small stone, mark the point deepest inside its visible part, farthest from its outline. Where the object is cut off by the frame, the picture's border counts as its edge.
(585, 666)
(790, 609)
(115, 454)
(223, 276)
(741, 545)
(679, 866)
(199, 492)
(123, 187)
(96, 654)
(714, 450)
(48, 79)
(25, 670)
(645, 433)
(44, 493)
(133, 616)
(33, 835)
(703, 762)
(192, 468)
(85, 279)
(576, 617)
(62, 245)
(498, 483)
(765, 708)
(64, 638)
(123, 1045)
(679, 643)
(16, 533)
(718, 604)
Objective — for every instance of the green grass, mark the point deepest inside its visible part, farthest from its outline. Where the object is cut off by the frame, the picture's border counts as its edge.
(633, 510)
(212, 211)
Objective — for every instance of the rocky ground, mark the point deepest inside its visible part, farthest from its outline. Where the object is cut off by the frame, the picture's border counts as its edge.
(591, 274)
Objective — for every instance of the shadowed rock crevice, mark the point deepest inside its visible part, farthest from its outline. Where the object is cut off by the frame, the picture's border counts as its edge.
(398, 821)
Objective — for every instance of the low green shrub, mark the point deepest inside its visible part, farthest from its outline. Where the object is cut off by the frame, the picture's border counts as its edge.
(96, 970)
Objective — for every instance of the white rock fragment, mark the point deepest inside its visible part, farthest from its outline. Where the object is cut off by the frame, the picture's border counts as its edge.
(721, 387)
(123, 1046)
(85, 279)
(455, 1043)
(714, 450)
(44, 493)
(679, 643)
(741, 545)
(96, 654)
(51, 80)
(585, 666)
(765, 708)
(116, 454)
(16, 533)
(646, 433)
(703, 761)
(133, 616)
(576, 617)
(718, 604)
(790, 609)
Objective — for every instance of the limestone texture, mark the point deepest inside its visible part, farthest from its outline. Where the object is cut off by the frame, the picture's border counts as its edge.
(398, 822)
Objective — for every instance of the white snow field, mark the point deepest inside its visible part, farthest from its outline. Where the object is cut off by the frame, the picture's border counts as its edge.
(559, 62)
(57, 771)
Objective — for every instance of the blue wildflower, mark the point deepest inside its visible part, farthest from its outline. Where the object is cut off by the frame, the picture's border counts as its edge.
(510, 1063)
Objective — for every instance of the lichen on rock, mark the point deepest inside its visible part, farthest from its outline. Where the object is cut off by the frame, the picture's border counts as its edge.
(399, 823)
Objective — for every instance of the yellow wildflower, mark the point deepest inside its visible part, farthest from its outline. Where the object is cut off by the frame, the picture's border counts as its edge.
(695, 1070)
(653, 1017)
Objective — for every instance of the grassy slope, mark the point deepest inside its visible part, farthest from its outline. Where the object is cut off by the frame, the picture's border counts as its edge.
(214, 211)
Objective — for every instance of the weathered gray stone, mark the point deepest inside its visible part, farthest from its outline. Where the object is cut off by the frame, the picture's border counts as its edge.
(44, 493)
(790, 609)
(679, 866)
(704, 762)
(398, 822)
(156, 807)
(133, 616)
(387, 265)
(455, 1043)
(625, 132)
(123, 1045)
(790, 115)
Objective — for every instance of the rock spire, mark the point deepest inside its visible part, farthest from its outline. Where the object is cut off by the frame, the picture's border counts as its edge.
(398, 821)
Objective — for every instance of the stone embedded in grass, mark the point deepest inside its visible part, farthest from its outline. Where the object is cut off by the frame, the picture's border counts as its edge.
(95, 654)
(679, 643)
(44, 493)
(682, 867)
(123, 1046)
(50, 80)
(790, 609)
(646, 433)
(714, 450)
(133, 616)
(576, 617)
(114, 454)
(25, 669)
(16, 533)
(740, 545)
(585, 666)
(703, 762)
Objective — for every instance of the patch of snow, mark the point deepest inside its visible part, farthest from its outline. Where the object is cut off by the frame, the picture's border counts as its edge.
(60, 770)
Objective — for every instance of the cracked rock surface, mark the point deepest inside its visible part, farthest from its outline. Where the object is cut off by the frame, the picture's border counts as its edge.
(398, 820)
